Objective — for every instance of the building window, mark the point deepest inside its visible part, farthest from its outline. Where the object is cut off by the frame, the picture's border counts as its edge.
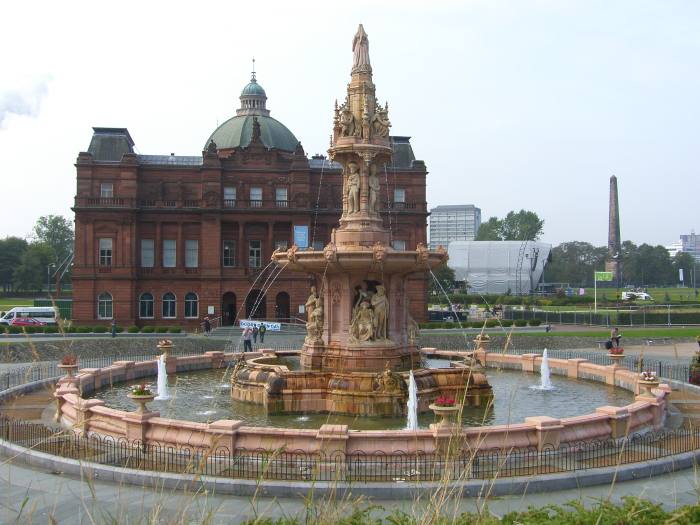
(399, 197)
(398, 245)
(229, 254)
(256, 197)
(147, 253)
(105, 252)
(169, 253)
(146, 306)
(317, 245)
(229, 196)
(104, 306)
(169, 305)
(106, 190)
(281, 245)
(255, 254)
(281, 197)
(191, 253)
(191, 305)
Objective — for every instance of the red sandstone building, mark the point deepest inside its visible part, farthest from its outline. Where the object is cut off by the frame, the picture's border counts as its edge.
(166, 240)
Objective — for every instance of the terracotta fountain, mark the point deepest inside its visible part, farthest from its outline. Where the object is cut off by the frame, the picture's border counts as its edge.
(360, 337)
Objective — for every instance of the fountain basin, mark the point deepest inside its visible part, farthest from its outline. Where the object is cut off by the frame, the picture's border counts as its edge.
(279, 390)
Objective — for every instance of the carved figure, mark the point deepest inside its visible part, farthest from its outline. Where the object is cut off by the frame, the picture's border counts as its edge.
(374, 188)
(380, 307)
(211, 147)
(360, 48)
(314, 325)
(389, 382)
(365, 121)
(380, 123)
(362, 326)
(238, 368)
(353, 188)
(413, 330)
(292, 253)
(347, 124)
(311, 303)
(361, 294)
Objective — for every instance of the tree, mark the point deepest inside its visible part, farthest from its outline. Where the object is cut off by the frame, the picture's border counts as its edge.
(11, 250)
(684, 261)
(31, 274)
(521, 226)
(490, 230)
(445, 276)
(645, 264)
(57, 232)
(574, 263)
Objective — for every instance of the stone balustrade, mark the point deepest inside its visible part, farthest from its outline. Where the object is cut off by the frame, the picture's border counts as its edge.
(91, 416)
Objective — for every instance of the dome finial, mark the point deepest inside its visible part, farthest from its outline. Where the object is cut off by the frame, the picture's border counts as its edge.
(252, 74)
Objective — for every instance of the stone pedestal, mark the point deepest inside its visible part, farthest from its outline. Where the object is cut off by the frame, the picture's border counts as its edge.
(618, 418)
(137, 425)
(224, 435)
(548, 429)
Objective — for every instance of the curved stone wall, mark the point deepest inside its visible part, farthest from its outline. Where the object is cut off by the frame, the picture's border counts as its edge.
(92, 416)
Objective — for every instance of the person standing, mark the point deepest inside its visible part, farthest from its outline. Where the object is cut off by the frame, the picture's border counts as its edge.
(207, 326)
(261, 332)
(114, 328)
(247, 339)
(255, 334)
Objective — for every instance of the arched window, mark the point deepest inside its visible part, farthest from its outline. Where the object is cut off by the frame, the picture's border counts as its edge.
(191, 305)
(169, 305)
(146, 306)
(104, 306)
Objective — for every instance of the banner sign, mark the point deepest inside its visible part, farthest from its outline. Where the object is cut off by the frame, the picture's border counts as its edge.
(247, 323)
(301, 236)
(603, 276)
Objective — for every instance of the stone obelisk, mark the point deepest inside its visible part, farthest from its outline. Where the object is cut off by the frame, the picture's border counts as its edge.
(612, 261)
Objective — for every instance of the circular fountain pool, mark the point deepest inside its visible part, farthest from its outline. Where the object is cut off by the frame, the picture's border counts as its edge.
(205, 396)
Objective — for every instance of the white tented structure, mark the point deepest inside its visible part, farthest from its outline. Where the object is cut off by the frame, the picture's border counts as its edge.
(495, 267)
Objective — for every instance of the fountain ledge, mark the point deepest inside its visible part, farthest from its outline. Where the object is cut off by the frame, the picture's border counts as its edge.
(92, 417)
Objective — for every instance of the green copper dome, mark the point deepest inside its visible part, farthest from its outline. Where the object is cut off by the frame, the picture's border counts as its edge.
(236, 132)
(253, 88)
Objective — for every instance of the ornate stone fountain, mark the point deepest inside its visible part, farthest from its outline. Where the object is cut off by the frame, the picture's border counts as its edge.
(360, 336)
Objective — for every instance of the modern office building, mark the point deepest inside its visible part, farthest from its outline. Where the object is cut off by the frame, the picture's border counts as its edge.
(453, 223)
(686, 244)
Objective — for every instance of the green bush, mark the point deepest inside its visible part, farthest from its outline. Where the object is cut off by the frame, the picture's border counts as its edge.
(99, 329)
(174, 329)
(161, 329)
(507, 323)
(520, 322)
(72, 329)
(133, 329)
(51, 329)
(147, 330)
(492, 323)
(14, 330)
(535, 322)
(83, 329)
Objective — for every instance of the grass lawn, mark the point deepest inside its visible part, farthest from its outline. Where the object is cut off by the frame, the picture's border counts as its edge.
(644, 333)
(7, 303)
(658, 294)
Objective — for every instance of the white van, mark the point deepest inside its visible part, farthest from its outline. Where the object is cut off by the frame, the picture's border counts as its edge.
(45, 314)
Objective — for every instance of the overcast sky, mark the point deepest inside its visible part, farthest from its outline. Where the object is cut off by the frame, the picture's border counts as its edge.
(520, 104)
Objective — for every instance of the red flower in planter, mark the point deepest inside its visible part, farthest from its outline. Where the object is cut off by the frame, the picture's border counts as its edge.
(69, 360)
(444, 401)
(616, 350)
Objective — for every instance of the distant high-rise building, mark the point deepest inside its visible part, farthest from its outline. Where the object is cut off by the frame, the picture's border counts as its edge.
(453, 223)
(687, 244)
(612, 261)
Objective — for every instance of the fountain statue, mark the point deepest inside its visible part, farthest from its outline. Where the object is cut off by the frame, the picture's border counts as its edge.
(361, 341)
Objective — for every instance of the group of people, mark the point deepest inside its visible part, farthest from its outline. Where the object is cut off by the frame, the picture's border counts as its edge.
(250, 336)
(615, 336)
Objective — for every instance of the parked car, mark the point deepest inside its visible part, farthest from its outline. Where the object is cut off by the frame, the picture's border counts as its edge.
(26, 321)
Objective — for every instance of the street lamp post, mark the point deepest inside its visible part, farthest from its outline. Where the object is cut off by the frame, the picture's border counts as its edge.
(48, 279)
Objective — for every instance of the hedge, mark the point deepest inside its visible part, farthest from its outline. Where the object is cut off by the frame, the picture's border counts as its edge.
(534, 322)
(520, 322)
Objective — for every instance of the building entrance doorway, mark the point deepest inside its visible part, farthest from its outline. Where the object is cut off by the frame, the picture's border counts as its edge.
(255, 307)
(282, 307)
(228, 309)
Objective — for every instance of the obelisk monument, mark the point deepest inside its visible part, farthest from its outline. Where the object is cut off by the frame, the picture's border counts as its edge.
(612, 261)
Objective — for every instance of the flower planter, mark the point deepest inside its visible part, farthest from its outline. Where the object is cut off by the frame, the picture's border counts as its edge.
(648, 386)
(445, 412)
(616, 358)
(140, 400)
(165, 345)
(69, 369)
